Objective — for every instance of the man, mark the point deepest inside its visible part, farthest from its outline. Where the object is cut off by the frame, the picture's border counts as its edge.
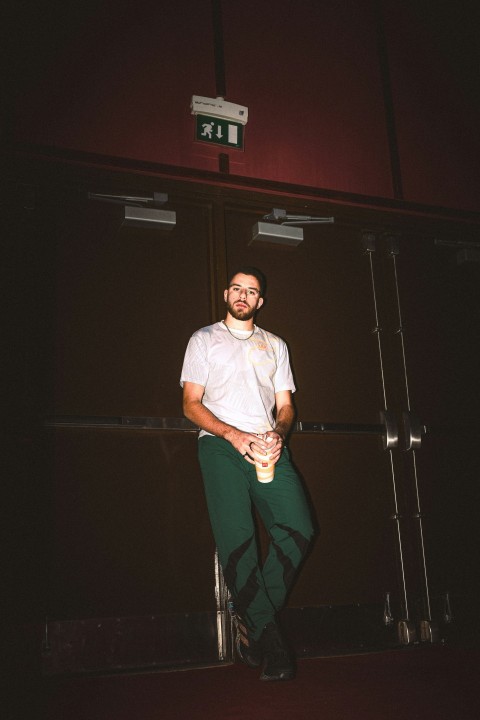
(237, 387)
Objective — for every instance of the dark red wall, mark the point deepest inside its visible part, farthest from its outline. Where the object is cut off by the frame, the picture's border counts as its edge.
(116, 78)
(436, 96)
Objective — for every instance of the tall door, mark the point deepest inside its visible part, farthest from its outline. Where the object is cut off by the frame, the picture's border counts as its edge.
(361, 312)
(435, 323)
(130, 573)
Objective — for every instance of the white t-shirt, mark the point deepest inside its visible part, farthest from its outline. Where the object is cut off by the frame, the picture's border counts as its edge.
(240, 376)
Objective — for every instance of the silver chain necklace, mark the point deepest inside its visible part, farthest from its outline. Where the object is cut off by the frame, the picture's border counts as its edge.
(239, 338)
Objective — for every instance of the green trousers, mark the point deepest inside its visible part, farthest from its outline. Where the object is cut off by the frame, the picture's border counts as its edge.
(231, 489)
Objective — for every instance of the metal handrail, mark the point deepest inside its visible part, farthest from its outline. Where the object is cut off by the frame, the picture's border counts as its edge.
(182, 424)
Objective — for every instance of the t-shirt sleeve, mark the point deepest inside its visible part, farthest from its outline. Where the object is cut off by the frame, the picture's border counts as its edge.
(283, 377)
(195, 366)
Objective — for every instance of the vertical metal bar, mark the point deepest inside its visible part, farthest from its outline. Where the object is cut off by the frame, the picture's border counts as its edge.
(224, 624)
(388, 104)
(220, 612)
(418, 514)
(422, 540)
(400, 331)
(377, 330)
(396, 516)
(220, 81)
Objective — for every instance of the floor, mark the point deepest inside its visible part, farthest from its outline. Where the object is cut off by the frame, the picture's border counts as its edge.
(410, 683)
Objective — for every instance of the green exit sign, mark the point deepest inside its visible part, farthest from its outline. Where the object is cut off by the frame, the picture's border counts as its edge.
(218, 131)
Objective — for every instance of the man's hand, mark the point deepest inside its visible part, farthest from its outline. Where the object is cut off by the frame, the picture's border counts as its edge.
(284, 420)
(246, 443)
(275, 445)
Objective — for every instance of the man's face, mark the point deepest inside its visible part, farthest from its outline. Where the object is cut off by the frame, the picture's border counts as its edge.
(243, 296)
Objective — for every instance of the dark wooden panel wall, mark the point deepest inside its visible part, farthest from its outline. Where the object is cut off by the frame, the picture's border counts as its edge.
(126, 300)
(130, 535)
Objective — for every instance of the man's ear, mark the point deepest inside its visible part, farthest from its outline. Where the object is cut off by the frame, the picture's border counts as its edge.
(260, 303)
(225, 295)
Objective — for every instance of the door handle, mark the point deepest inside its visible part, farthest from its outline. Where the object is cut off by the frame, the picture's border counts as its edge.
(390, 435)
(413, 431)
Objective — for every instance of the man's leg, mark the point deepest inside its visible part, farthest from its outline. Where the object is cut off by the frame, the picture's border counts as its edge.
(285, 514)
(284, 511)
(228, 481)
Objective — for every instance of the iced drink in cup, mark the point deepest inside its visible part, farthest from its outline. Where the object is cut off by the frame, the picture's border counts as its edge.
(264, 466)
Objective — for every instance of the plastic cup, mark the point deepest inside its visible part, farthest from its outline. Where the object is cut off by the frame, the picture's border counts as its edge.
(264, 466)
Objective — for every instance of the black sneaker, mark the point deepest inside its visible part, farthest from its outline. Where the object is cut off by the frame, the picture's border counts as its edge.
(278, 663)
(248, 650)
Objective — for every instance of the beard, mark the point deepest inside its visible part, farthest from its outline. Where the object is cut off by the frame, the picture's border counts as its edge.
(241, 313)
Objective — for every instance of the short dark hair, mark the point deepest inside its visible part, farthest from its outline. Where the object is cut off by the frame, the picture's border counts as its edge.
(250, 270)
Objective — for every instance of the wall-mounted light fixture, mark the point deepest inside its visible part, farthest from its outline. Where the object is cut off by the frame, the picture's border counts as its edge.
(144, 212)
(278, 227)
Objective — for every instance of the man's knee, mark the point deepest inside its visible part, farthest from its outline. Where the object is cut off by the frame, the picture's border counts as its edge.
(301, 535)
